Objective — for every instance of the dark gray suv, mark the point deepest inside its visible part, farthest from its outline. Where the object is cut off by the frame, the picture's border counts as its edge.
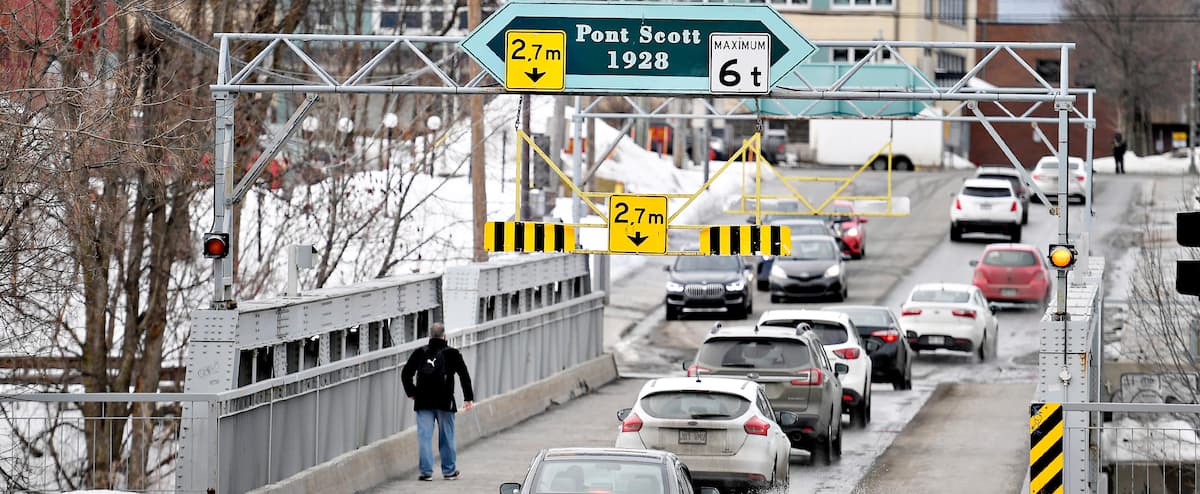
(792, 366)
(709, 284)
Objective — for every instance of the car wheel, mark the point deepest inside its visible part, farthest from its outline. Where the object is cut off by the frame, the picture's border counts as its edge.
(763, 285)
(908, 381)
(775, 299)
(749, 309)
(823, 455)
(837, 443)
(861, 415)
(845, 294)
(879, 164)
(862, 250)
(982, 352)
(1025, 216)
(1016, 234)
(902, 164)
(956, 233)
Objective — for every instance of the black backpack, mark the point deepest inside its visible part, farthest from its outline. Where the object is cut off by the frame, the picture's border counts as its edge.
(431, 374)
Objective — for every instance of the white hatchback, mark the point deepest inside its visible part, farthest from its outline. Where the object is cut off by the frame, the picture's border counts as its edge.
(1045, 178)
(723, 429)
(842, 344)
(950, 316)
(988, 206)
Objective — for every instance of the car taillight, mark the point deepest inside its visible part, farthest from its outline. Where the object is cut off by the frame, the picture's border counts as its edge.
(887, 335)
(1037, 176)
(910, 312)
(964, 313)
(694, 369)
(757, 426)
(847, 353)
(957, 204)
(632, 423)
(1080, 178)
(808, 377)
(1014, 207)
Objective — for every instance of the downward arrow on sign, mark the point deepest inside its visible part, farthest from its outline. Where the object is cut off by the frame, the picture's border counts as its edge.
(637, 238)
(534, 74)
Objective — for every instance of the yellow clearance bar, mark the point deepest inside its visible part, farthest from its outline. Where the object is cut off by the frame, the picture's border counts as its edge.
(525, 236)
(1046, 448)
(744, 240)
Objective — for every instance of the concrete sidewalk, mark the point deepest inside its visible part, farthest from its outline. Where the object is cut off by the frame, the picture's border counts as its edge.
(946, 448)
(589, 421)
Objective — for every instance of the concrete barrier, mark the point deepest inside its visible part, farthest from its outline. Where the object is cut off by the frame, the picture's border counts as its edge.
(366, 467)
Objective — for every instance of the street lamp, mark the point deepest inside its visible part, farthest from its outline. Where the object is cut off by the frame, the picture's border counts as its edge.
(390, 121)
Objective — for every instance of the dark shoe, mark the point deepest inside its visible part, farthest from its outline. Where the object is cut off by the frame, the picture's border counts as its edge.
(426, 478)
(453, 476)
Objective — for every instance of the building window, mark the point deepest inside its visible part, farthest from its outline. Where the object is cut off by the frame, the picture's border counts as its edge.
(389, 20)
(789, 3)
(847, 55)
(867, 4)
(928, 9)
(953, 11)
(951, 68)
(414, 20)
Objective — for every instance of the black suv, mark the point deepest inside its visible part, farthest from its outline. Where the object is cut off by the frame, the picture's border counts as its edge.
(708, 284)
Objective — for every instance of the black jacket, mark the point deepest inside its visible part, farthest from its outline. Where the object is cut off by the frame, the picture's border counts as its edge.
(442, 399)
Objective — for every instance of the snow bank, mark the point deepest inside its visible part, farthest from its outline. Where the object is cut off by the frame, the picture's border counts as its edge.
(1160, 164)
(1158, 439)
(956, 162)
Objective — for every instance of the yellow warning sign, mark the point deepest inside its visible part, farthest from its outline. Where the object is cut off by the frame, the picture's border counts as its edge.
(1045, 448)
(637, 224)
(535, 60)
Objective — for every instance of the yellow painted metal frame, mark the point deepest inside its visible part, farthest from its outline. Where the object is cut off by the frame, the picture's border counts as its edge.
(753, 145)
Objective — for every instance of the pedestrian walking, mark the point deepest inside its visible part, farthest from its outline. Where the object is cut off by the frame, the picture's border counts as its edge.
(432, 392)
(1119, 148)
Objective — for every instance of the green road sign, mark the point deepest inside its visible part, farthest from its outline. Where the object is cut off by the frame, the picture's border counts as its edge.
(640, 47)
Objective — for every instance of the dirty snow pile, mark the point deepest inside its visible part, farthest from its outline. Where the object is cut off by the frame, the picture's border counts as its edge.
(1172, 163)
(1151, 438)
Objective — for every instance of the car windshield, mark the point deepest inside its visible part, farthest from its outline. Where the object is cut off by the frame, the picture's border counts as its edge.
(754, 353)
(873, 318)
(683, 405)
(812, 251)
(830, 333)
(986, 192)
(945, 296)
(582, 475)
(1015, 181)
(1074, 165)
(1010, 258)
(708, 263)
(809, 229)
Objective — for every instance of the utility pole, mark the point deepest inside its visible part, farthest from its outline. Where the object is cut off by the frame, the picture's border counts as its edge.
(478, 173)
(527, 153)
(1191, 140)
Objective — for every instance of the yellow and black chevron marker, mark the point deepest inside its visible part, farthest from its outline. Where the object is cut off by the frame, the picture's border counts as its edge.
(746, 240)
(1045, 448)
(524, 236)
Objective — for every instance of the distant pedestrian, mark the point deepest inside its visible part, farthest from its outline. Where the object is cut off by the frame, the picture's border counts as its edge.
(434, 367)
(1119, 148)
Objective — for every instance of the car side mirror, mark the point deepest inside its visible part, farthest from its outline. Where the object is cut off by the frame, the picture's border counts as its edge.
(841, 369)
(974, 262)
(709, 490)
(787, 419)
(510, 488)
(686, 364)
(623, 413)
(994, 308)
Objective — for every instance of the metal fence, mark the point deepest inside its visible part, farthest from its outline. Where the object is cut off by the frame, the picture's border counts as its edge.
(1144, 448)
(128, 441)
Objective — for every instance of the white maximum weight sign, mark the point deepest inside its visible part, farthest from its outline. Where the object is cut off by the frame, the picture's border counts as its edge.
(739, 63)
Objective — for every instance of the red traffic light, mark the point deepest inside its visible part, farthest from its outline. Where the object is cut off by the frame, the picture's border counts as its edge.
(216, 245)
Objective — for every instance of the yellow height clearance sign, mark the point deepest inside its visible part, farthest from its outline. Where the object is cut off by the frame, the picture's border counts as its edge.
(535, 60)
(746, 240)
(524, 236)
(637, 224)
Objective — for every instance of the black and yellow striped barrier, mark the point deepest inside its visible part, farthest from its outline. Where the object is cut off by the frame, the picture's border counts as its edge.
(525, 236)
(746, 240)
(1046, 448)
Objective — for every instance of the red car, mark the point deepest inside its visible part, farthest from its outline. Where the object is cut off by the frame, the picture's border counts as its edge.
(1012, 273)
(852, 229)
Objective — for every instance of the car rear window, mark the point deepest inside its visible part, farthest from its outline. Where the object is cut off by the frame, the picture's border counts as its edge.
(1010, 258)
(1015, 181)
(694, 405)
(986, 192)
(867, 317)
(1073, 165)
(945, 296)
(754, 353)
(798, 230)
(810, 250)
(593, 475)
(831, 334)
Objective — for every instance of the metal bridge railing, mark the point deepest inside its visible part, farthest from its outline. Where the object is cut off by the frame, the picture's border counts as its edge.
(1144, 448)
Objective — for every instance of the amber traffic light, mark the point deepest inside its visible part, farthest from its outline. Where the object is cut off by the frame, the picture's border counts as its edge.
(216, 245)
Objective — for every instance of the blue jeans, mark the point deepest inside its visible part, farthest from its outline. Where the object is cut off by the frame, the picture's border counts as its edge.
(445, 423)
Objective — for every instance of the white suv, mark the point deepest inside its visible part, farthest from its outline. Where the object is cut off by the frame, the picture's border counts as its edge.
(1045, 178)
(842, 344)
(724, 429)
(987, 206)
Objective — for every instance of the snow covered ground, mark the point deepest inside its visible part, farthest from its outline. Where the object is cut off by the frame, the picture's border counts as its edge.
(1172, 163)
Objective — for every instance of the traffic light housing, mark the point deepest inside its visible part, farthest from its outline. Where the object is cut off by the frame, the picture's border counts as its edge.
(1062, 256)
(216, 245)
(1187, 272)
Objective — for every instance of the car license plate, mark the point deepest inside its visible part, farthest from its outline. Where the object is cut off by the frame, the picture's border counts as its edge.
(693, 437)
(937, 340)
(985, 206)
(1008, 292)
